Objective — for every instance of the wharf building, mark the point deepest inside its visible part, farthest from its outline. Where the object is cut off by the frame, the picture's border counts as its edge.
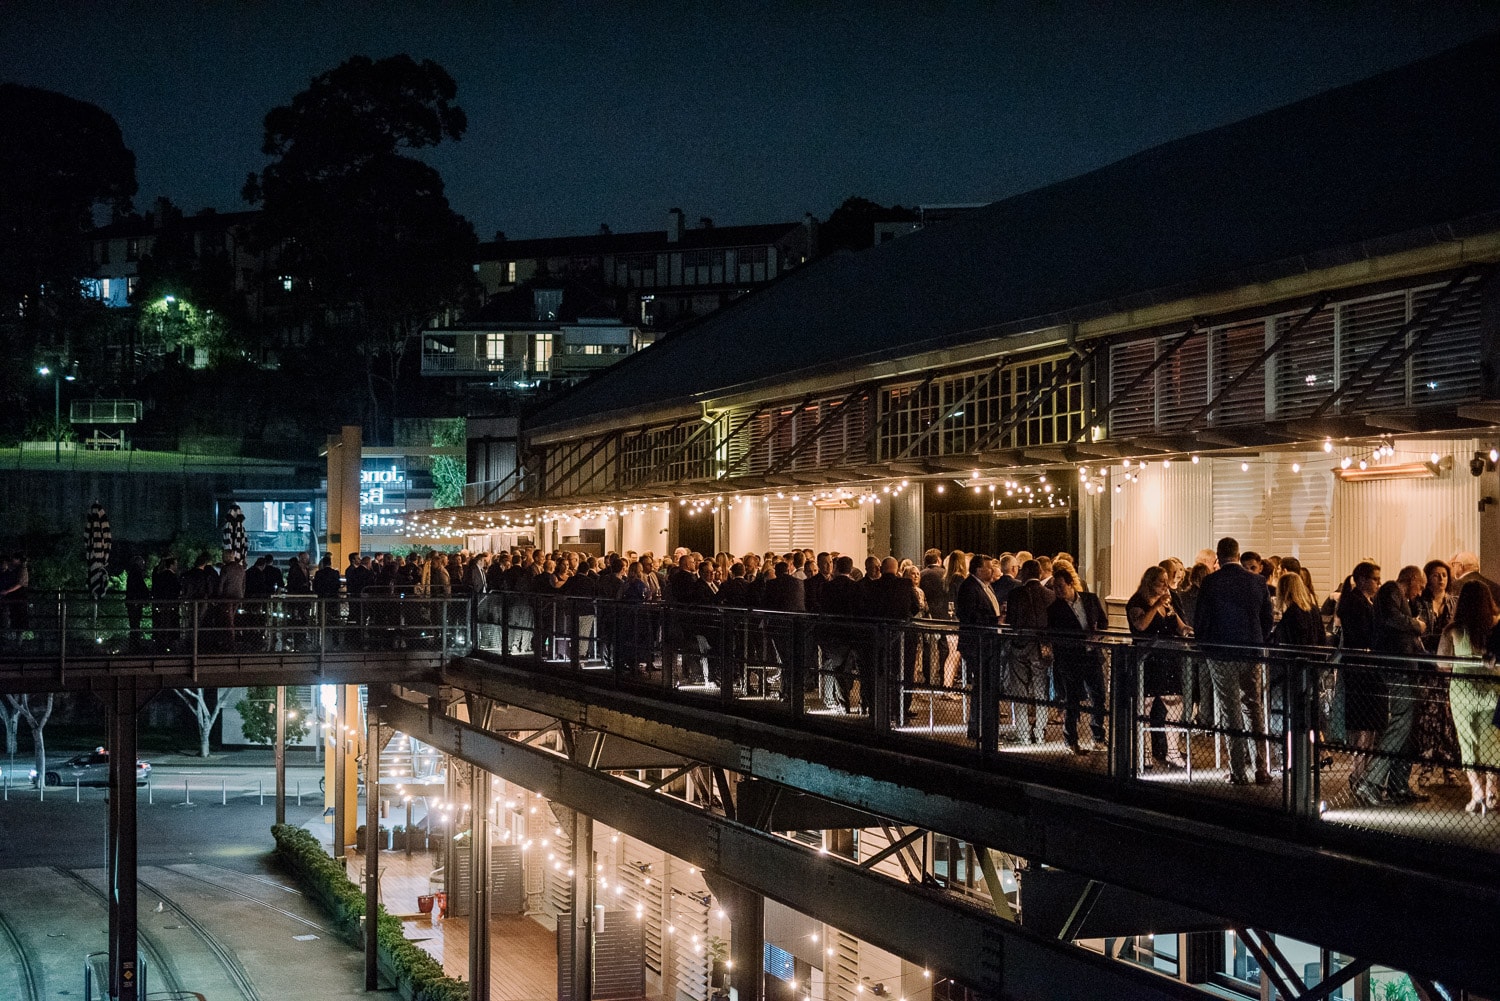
(1283, 329)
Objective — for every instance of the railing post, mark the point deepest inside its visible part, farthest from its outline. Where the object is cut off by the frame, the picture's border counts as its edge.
(573, 621)
(729, 670)
(885, 676)
(1299, 737)
(984, 682)
(443, 643)
(196, 617)
(1123, 684)
(794, 675)
(504, 623)
(321, 606)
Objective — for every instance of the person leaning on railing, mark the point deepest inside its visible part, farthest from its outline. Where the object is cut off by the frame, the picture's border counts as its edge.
(1398, 633)
(1152, 616)
(1300, 625)
(1473, 636)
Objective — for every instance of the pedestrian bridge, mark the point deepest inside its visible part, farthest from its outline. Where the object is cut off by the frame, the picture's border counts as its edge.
(899, 729)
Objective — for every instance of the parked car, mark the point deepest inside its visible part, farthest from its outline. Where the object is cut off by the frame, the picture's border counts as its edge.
(90, 769)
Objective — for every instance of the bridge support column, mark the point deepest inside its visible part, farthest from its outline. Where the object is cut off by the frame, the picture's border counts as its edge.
(575, 930)
(280, 754)
(747, 937)
(124, 975)
(479, 884)
(372, 847)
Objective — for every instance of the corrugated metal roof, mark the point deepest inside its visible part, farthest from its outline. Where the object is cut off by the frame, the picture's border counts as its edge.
(599, 244)
(1395, 160)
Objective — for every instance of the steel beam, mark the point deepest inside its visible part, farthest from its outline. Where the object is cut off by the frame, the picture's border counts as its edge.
(479, 883)
(1415, 323)
(1146, 373)
(372, 848)
(770, 434)
(124, 976)
(980, 384)
(834, 413)
(1220, 856)
(925, 925)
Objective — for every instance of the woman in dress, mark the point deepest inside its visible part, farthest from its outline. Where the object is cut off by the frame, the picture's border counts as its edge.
(1435, 739)
(1300, 625)
(1152, 616)
(958, 571)
(1473, 692)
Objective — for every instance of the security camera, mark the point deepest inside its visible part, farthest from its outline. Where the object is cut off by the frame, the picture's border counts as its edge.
(1476, 465)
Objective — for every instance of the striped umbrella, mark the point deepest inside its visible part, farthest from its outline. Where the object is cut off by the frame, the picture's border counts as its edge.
(97, 544)
(234, 538)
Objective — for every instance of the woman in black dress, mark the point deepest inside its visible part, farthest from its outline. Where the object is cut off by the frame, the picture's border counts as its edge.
(1435, 738)
(1152, 617)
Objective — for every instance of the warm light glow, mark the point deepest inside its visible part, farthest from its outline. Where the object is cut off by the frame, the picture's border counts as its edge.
(1195, 460)
(1296, 467)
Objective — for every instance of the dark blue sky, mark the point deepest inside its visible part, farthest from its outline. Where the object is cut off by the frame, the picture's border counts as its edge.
(750, 112)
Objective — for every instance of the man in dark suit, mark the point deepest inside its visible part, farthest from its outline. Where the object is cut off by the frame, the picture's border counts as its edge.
(978, 613)
(1077, 665)
(1398, 634)
(841, 601)
(1234, 609)
(895, 599)
(1026, 674)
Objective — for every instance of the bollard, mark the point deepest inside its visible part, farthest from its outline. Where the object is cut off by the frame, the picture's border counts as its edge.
(150, 794)
(41, 789)
(261, 785)
(223, 792)
(77, 790)
(187, 792)
(299, 792)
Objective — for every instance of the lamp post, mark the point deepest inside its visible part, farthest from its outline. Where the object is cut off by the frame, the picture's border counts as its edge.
(58, 378)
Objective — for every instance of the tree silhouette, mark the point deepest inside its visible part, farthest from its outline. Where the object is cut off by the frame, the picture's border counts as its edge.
(364, 233)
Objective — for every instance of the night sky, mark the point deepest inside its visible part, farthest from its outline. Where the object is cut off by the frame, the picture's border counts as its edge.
(584, 114)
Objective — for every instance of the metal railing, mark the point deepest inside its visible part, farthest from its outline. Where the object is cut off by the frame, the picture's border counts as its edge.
(1325, 736)
(71, 627)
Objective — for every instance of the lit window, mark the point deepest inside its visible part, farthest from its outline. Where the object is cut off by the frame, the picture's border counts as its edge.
(510, 272)
(286, 283)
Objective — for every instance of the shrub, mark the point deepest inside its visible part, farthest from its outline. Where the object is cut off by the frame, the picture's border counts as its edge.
(325, 881)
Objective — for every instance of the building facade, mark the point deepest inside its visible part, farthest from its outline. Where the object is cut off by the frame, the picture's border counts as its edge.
(1295, 345)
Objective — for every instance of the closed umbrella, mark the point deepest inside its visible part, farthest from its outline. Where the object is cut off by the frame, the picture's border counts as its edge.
(234, 538)
(97, 544)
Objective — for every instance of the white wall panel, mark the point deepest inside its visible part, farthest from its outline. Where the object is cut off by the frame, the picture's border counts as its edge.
(645, 531)
(1396, 522)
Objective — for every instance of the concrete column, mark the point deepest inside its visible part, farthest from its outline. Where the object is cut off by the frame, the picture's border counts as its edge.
(344, 454)
(907, 516)
(479, 885)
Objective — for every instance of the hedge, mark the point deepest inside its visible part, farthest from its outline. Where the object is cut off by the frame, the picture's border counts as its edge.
(417, 974)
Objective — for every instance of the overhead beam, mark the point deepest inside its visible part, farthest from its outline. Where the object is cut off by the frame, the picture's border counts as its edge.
(1220, 855)
(981, 951)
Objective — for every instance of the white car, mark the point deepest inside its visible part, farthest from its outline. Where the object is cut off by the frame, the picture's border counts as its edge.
(90, 769)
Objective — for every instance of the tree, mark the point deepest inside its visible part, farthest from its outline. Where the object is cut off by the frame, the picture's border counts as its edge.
(449, 472)
(258, 710)
(10, 718)
(36, 718)
(364, 232)
(205, 712)
(851, 226)
(60, 158)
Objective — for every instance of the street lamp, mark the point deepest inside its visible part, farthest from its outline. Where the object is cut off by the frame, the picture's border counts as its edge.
(58, 378)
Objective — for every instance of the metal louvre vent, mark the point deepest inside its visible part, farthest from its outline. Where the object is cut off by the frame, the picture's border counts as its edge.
(1182, 384)
(1363, 328)
(1304, 365)
(1445, 368)
(1236, 350)
(1136, 413)
(689, 922)
(789, 524)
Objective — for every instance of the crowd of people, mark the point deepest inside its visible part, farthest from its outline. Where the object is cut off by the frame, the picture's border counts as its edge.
(1386, 694)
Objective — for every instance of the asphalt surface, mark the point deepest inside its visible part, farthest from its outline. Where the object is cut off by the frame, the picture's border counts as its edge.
(216, 916)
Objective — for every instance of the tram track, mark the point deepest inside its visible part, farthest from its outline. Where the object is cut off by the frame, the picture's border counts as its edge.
(226, 957)
(299, 919)
(23, 962)
(171, 984)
